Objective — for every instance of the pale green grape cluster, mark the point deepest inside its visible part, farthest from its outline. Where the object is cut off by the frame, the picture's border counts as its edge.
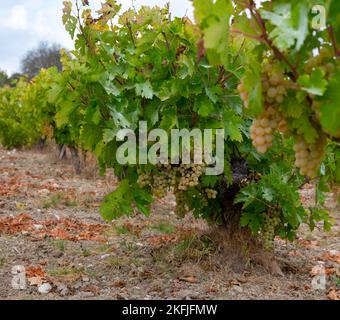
(144, 180)
(274, 85)
(211, 193)
(177, 178)
(274, 90)
(160, 186)
(271, 222)
(165, 181)
(167, 177)
(160, 181)
(262, 130)
(244, 95)
(190, 174)
(309, 156)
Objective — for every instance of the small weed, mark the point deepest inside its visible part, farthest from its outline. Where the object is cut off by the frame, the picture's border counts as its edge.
(52, 202)
(130, 246)
(104, 248)
(121, 230)
(59, 244)
(86, 253)
(191, 248)
(194, 248)
(118, 262)
(66, 272)
(70, 203)
(164, 227)
(2, 262)
(59, 199)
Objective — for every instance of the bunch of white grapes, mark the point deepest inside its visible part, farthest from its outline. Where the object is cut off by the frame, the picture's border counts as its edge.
(269, 226)
(262, 131)
(160, 186)
(263, 128)
(274, 90)
(144, 180)
(211, 193)
(274, 85)
(160, 181)
(244, 95)
(309, 156)
(168, 177)
(190, 174)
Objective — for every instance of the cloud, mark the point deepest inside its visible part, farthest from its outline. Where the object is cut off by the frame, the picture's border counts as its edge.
(47, 26)
(17, 18)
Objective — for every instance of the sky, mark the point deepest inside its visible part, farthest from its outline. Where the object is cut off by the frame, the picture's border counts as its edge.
(25, 23)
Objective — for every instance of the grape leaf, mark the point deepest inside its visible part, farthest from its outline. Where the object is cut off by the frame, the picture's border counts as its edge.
(330, 109)
(109, 135)
(204, 106)
(117, 203)
(315, 83)
(213, 16)
(291, 24)
(144, 89)
(253, 84)
(292, 108)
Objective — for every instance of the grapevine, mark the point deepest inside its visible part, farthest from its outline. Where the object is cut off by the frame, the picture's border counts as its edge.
(271, 83)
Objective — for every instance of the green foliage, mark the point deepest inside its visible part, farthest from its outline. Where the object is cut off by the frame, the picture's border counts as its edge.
(275, 190)
(146, 68)
(120, 201)
(3, 78)
(17, 116)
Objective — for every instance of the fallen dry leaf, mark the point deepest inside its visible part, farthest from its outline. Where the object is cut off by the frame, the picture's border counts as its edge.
(163, 239)
(91, 288)
(333, 294)
(119, 284)
(316, 270)
(319, 269)
(234, 282)
(64, 229)
(295, 253)
(37, 271)
(332, 255)
(36, 276)
(190, 279)
(293, 287)
(330, 271)
(35, 281)
(309, 244)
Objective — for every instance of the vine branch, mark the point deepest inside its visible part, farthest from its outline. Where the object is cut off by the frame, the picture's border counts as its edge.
(333, 40)
(265, 38)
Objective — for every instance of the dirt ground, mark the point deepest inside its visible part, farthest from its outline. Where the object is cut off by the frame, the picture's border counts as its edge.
(51, 226)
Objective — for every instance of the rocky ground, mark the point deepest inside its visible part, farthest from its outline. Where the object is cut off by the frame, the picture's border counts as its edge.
(52, 233)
